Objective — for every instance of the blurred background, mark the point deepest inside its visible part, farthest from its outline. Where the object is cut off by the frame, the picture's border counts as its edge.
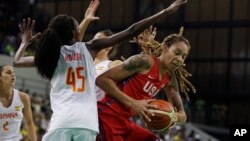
(218, 31)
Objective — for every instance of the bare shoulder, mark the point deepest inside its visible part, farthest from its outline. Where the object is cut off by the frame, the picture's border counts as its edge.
(24, 97)
(138, 62)
(115, 63)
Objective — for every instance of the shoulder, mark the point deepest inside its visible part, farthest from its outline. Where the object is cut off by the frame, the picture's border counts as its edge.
(24, 97)
(139, 62)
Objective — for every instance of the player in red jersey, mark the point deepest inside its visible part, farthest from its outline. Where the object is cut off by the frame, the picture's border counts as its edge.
(131, 85)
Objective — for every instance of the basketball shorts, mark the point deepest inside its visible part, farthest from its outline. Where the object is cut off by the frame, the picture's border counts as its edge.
(70, 134)
(117, 128)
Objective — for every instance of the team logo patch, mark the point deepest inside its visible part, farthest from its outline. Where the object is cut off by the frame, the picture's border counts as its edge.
(99, 68)
(17, 108)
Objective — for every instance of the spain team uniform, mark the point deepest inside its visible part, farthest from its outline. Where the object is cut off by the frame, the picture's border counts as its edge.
(11, 119)
(101, 67)
(72, 96)
(114, 117)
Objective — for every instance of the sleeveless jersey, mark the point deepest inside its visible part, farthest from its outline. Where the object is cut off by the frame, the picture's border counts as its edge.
(11, 119)
(72, 95)
(138, 86)
(101, 68)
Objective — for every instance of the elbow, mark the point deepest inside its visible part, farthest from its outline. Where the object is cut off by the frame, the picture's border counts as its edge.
(133, 30)
(15, 64)
(99, 81)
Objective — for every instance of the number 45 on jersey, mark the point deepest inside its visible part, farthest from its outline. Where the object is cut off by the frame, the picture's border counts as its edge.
(73, 75)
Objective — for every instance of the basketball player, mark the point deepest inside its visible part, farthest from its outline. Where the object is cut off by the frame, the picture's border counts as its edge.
(102, 61)
(14, 105)
(65, 61)
(131, 85)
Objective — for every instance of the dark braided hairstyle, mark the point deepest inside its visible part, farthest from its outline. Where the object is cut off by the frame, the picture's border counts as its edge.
(58, 33)
(149, 46)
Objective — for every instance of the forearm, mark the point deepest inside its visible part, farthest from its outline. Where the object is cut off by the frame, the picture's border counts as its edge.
(20, 60)
(83, 26)
(31, 131)
(20, 52)
(109, 86)
(140, 26)
(131, 31)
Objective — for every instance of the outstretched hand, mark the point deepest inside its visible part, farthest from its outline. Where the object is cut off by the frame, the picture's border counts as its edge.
(90, 12)
(26, 28)
(175, 5)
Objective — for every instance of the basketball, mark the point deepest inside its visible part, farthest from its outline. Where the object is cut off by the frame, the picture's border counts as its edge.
(163, 116)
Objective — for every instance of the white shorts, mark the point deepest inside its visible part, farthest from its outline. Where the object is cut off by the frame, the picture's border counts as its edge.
(70, 134)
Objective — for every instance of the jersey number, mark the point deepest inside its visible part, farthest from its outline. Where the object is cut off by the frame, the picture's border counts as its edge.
(5, 126)
(73, 76)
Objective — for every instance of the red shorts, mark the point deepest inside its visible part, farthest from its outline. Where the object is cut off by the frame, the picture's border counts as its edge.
(117, 128)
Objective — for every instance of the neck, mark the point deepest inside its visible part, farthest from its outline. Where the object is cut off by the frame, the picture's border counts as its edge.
(163, 69)
(5, 92)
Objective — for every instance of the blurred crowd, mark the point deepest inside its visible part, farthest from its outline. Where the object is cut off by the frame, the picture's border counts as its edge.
(11, 14)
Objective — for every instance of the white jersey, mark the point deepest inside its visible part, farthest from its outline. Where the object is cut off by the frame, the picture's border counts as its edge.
(101, 67)
(11, 119)
(72, 95)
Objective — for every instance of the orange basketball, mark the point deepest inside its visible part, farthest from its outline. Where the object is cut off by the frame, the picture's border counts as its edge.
(163, 116)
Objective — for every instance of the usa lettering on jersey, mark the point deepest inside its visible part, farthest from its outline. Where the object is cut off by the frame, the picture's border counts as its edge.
(150, 89)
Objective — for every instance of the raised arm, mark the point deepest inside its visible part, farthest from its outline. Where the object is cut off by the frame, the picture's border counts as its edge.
(107, 81)
(89, 17)
(98, 44)
(26, 29)
(173, 95)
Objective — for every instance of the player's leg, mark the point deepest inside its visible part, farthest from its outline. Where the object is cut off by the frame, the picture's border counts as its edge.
(84, 135)
(58, 135)
(140, 134)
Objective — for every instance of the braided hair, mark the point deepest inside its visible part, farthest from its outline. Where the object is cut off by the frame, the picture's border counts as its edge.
(58, 33)
(150, 46)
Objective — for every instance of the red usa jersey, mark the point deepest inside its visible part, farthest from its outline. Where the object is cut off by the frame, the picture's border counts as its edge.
(139, 86)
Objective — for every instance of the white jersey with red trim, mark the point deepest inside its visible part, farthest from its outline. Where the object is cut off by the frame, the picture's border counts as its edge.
(101, 67)
(11, 119)
(72, 95)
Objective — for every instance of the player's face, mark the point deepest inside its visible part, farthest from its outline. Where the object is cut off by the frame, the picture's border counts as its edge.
(175, 55)
(8, 76)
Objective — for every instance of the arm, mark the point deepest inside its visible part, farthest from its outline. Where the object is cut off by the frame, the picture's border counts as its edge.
(89, 16)
(26, 29)
(98, 44)
(135, 64)
(173, 95)
(28, 117)
(114, 63)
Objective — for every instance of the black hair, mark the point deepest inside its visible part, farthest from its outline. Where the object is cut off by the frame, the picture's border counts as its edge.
(58, 33)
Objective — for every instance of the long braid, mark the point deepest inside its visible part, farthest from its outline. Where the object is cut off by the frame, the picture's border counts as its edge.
(149, 46)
